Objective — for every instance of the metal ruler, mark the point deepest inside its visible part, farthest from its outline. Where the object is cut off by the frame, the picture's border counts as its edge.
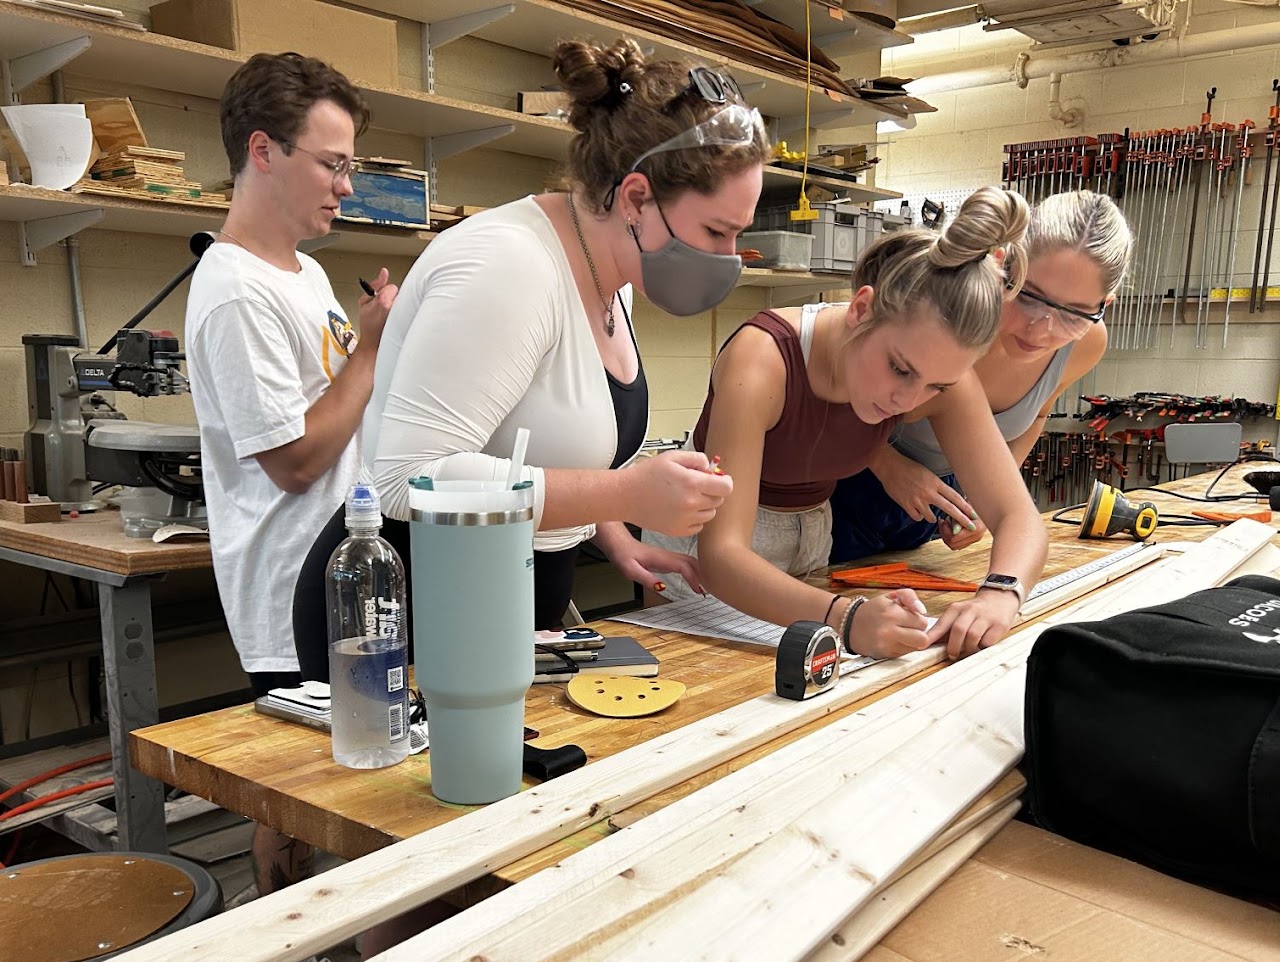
(1075, 574)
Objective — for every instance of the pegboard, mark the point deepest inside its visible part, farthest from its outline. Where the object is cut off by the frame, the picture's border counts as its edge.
(951, 198)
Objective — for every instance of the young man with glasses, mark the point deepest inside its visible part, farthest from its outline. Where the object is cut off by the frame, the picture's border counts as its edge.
(1051, 334)
(279, 377)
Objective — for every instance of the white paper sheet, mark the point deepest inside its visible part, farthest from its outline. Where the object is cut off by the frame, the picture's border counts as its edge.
(712, 618)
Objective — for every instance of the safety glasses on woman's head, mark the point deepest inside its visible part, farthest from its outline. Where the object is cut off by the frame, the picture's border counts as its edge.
(733, 126)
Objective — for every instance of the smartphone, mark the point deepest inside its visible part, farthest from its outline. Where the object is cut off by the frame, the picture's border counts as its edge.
(570, 639)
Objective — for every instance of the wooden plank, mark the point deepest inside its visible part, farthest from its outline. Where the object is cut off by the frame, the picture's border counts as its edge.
(895, 902)
(617, 879)
(28, 512)
(115, 124)
(1209, 563)
(468, 847)
(828, 862)
(98, 541)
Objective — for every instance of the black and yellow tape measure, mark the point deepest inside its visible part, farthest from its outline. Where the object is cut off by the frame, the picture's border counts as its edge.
(808, 661)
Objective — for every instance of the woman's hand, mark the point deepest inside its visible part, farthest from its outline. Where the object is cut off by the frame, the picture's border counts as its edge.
(889, 625)
(918, 491)
(967, 626)
(675, 493)
(956, 537)
(644, 563)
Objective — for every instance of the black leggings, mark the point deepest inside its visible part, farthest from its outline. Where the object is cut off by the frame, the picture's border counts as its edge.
(552, 589)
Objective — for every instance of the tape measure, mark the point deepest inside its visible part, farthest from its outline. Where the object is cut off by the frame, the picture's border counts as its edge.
(808, 661)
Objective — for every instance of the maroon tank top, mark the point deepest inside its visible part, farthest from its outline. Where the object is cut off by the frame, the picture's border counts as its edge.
(815, 442)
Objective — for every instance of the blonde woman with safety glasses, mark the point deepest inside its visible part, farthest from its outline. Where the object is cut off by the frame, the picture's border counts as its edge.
(521, 317)
(1051, 334)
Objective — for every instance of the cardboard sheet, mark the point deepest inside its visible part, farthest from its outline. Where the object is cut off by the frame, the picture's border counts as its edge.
(1030, 895)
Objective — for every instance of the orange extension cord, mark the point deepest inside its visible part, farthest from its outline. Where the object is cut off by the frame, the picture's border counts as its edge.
(52, 796)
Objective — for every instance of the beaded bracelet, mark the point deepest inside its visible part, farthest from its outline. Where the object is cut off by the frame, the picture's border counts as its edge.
(847, 621)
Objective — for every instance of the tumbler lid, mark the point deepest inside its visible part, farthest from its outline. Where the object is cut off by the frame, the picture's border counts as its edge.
(466, 502)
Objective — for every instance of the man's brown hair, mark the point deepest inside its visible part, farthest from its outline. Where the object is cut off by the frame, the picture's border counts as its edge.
(273, 93)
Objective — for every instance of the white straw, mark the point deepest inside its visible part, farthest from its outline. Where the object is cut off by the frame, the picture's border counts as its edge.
(517, 457)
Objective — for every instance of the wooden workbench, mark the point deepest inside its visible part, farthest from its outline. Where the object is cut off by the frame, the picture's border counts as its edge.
(98, 540)
(95, 547)
(282, 773)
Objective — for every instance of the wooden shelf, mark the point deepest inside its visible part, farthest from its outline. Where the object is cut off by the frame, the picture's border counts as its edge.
(836, 32)
(775, 177)
(537, 25)
(795, 282)
(167, 63)
(19, 203)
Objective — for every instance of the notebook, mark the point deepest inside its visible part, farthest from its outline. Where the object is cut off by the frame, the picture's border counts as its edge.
(619, 656)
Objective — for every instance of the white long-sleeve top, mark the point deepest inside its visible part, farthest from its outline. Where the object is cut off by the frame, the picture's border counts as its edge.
(488, 334)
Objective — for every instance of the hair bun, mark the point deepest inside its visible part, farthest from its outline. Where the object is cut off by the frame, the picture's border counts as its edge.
(596, 76)
(988, 220)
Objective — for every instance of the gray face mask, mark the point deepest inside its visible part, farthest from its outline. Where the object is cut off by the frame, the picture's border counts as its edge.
(683, 280)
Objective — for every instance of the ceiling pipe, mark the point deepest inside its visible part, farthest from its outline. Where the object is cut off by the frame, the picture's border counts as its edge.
(1030, 66)
(933, 22)
(1070, 117)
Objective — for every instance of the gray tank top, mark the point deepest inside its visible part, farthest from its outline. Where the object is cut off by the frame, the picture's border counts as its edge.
(917, 441)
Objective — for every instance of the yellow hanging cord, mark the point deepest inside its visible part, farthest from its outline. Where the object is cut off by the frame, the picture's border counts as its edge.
(803, 211)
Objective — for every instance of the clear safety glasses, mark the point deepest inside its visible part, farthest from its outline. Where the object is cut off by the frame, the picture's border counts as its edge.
(733, 126)
(1070, 321)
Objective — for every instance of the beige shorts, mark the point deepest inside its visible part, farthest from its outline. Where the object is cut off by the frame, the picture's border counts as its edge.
(797, 542)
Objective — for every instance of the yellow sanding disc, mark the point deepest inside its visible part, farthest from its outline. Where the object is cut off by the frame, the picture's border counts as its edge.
(621, 696)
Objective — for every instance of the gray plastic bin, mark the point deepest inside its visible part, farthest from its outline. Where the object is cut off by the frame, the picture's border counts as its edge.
(840, 232)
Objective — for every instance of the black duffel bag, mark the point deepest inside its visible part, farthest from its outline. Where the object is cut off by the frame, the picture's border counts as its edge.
(1155, 735)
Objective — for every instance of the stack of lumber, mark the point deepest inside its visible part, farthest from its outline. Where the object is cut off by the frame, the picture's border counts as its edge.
(128, 166)
(728, 27)
(146, 169)
(812, 852)
(444, 215)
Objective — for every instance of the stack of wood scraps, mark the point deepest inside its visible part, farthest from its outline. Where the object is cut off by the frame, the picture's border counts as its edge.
(898, 575)
(444, 215)
(128, 166)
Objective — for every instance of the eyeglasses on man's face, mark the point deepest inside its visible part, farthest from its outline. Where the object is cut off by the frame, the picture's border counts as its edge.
(340, 169)
(1069, 320)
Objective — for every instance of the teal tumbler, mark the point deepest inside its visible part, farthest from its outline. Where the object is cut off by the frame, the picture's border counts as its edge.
(472, 548)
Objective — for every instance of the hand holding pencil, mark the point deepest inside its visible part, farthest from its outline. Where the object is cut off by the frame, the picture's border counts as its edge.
(675, 493)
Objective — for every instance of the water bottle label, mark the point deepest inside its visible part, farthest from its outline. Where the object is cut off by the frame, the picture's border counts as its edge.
(381, 618)
(395, 719)
(395, 679)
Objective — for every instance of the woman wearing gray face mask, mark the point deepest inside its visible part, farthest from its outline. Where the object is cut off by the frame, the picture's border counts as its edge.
(520, 317)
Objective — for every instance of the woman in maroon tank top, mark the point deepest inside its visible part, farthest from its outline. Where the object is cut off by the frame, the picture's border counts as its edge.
(796, 404)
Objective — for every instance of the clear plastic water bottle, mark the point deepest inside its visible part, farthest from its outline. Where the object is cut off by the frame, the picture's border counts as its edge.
(368, 645)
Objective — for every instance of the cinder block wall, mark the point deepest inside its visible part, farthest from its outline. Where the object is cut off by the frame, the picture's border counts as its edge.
(960, 147)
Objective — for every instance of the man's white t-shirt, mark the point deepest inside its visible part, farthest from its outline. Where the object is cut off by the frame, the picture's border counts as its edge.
(262, 346)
